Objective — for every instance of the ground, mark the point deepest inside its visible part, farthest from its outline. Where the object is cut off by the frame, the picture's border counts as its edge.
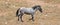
(49, 16)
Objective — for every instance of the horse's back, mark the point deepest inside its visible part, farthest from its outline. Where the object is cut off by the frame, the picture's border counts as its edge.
(27, 10)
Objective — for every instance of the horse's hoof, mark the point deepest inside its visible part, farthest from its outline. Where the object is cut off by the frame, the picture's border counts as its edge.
(18, 19)
(30, 19)
(22, 21)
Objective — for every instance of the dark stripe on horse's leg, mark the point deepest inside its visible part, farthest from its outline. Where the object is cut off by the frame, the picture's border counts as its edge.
(32, 18)
(18, 18)
(21, 17)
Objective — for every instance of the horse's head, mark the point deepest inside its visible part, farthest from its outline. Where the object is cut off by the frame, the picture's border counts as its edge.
(38, 7)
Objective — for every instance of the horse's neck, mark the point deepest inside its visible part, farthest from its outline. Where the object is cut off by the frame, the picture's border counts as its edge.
(35, 10)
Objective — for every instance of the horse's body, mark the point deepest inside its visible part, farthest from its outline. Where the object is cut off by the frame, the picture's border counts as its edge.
(21, 11)
(27, 10)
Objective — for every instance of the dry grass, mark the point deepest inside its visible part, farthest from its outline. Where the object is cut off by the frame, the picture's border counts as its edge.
(50, 15)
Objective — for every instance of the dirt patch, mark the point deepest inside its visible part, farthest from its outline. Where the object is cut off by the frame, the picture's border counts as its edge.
(50, 15)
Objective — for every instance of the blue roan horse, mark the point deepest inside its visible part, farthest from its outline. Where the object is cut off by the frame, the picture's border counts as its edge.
(30, 11)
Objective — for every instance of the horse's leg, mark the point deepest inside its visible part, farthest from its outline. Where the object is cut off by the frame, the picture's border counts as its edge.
(21, 17)
(32, 18)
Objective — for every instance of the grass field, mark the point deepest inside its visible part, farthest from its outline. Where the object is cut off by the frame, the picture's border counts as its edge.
(50, 15)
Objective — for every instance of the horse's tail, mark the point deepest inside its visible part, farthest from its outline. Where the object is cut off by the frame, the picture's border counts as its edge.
(17, 12)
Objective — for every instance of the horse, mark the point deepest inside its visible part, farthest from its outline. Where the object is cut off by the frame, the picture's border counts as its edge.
(30, 11)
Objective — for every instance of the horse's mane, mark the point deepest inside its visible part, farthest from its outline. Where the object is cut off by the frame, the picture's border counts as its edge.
(34, 7)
